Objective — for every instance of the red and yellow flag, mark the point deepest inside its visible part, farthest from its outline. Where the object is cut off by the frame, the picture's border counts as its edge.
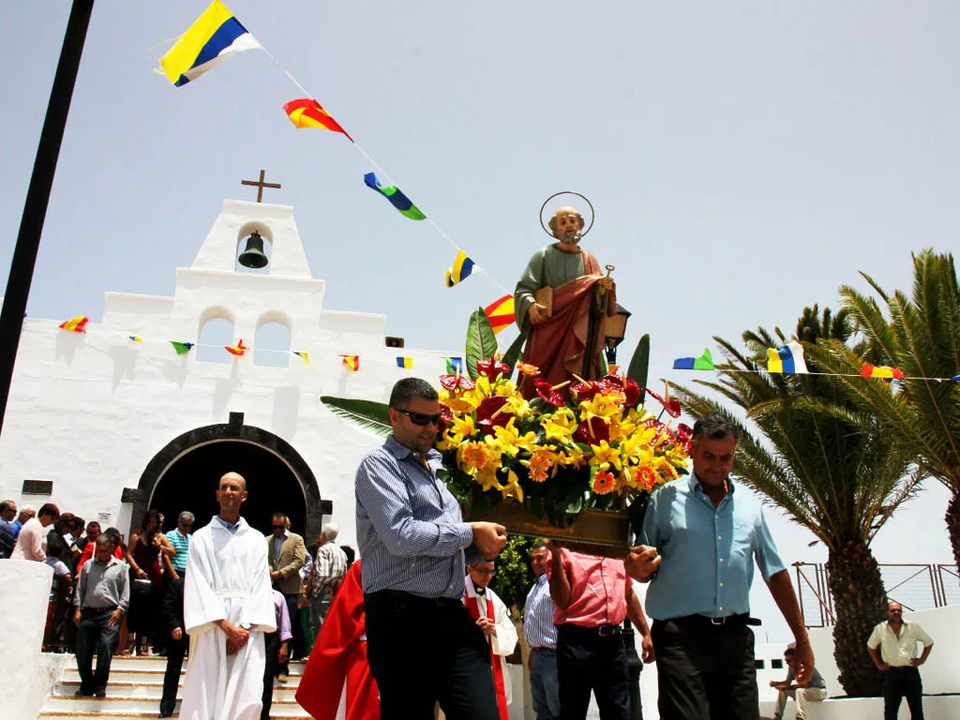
(75, 324)
(881, 371)
(239, 349)
(351, 362)
(500, 313)
(308, 113)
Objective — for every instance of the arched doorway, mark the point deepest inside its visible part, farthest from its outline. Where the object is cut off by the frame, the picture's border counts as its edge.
(184, 475)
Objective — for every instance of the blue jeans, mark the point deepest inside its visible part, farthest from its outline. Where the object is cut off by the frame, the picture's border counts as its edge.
(95, 634)
(544, 683)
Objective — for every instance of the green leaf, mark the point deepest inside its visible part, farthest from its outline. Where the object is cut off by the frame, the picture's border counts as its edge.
(369, 416)
(481, 341)
(640, 365)
(513, 352)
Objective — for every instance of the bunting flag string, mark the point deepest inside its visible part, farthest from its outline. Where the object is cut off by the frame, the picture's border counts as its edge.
(215, 36)
(454, 364)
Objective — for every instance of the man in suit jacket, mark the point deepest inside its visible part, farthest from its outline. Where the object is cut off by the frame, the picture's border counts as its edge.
(177, 643)
(286, 553)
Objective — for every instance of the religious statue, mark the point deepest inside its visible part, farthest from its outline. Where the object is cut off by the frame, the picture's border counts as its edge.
(564, 300)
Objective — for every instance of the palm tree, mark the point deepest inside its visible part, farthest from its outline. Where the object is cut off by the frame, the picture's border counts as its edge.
(828, 466)
(920, 335)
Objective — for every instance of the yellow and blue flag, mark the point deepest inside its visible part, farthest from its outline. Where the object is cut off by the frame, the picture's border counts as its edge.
(213, 37)
(462, 267)
(404, 362)
(787, 359)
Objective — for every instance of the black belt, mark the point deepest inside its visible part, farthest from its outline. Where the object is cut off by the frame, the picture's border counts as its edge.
(543, 649)
(737, 621)
(97, 611)
(598, 631)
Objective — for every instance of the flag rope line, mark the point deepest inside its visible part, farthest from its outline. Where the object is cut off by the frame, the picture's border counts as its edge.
(385, 174)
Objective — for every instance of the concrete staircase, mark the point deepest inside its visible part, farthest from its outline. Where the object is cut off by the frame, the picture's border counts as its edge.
(134, 691)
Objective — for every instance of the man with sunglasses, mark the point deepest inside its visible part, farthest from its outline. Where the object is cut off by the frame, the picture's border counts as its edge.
(180, 538)
(422, 644)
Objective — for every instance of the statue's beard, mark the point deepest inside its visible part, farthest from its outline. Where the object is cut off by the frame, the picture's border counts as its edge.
(571, 238)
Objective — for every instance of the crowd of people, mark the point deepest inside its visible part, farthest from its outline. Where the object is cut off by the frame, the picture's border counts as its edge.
(420, 626)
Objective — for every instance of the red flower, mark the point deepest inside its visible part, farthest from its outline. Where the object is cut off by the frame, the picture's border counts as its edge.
(452, 382)
(545, 390)
(629, 387)
(671, 406)
(487, 413)
(446, 418)
(592, 431)
(493, 368)
(585, 390)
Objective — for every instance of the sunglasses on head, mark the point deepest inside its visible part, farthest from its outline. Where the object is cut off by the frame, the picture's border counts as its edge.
(420, 418)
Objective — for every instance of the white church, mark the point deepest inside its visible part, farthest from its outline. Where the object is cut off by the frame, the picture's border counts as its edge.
(111, 422)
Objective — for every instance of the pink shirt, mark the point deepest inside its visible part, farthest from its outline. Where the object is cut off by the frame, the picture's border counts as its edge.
(598, 590)
(31, 542)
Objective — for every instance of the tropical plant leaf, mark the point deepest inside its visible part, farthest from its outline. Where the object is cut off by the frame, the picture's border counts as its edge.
(369, 416)
(640, 365)
(513, 352)
(481, 341)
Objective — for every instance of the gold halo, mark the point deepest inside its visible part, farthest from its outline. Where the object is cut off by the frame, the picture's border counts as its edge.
(593, 213)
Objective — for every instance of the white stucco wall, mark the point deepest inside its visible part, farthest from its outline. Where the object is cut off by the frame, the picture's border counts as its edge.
(90, 410)
(26, 675)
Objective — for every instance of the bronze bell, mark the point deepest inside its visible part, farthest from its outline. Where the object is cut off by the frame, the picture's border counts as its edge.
(252, 256)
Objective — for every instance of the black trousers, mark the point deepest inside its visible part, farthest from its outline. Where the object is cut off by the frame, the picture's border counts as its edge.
(176, 649)
(271, 643)
(95, 634)
(899, 683)
(589, 661)
(705, 671)
(424, 651)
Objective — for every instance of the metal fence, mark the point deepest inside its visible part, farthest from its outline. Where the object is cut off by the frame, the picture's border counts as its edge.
(915, 586)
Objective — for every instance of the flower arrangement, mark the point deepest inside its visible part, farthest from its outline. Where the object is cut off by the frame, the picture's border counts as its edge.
(576, 446)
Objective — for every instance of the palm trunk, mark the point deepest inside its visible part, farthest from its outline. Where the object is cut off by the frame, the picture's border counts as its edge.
(953, 526)
(860, 602)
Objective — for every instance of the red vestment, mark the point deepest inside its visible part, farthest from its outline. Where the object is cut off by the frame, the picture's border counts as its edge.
(340, 656)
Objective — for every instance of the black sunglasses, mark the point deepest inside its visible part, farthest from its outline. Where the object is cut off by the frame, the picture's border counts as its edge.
(279, 527)
(420, 418)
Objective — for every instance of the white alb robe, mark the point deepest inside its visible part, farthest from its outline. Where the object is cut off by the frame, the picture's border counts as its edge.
(505, 641)
(228, 579)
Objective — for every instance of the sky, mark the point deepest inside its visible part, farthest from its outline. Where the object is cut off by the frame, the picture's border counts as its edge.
(745, 159)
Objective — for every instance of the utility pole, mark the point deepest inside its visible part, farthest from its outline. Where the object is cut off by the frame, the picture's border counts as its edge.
(38, 195)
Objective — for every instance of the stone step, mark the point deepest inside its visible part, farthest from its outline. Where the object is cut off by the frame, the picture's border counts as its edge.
(153, 689)
(138, 675)
(125, 706)
(155, 662)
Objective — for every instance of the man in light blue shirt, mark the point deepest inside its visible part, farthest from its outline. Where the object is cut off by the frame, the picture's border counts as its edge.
(422, 644)
(541, 637)
(180, 538)
(700, 538)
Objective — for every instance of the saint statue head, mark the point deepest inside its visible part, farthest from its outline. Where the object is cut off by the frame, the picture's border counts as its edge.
(566, 225)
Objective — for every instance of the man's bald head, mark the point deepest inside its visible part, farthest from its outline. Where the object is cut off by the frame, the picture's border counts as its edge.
(236, 477)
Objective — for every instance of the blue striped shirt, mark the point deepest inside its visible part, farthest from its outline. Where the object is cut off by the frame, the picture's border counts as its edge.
(182, 545)
(708, 552)
(409, 526)
(538, 627)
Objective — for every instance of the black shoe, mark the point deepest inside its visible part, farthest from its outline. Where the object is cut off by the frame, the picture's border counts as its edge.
(82, 693)
(163, 714)
(100, 693)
